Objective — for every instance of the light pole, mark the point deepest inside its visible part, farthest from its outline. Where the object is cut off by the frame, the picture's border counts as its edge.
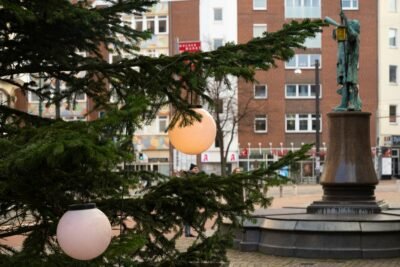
(248, 157)
(238, 156)
(317, 122)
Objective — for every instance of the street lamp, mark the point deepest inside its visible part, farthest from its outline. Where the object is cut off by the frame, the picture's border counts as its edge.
(248, 157)
(238, 157)
(317, 119)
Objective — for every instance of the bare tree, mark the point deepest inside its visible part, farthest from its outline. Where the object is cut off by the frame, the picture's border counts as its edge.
(227, 114)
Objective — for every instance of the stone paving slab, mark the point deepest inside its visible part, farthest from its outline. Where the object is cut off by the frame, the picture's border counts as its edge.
(255, 259)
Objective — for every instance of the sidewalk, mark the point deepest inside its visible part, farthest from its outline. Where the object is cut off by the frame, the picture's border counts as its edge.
(387, 190)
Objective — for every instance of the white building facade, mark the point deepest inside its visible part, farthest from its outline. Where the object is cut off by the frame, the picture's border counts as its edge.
(218, 26)
(388, 120)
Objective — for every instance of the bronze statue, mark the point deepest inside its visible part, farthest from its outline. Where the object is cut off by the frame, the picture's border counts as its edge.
(347, 34)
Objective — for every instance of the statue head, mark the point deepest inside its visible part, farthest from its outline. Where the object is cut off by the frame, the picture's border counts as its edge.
(355, 25)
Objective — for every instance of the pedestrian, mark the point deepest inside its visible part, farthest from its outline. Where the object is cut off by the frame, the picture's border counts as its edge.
(192, 171)
(236, 170)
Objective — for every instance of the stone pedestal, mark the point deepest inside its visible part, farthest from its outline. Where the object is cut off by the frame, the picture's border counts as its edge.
(295, 233)
(348, 222)
(349, 177)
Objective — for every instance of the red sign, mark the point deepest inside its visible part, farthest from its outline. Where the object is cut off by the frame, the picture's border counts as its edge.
(244, 153)
(192, 46)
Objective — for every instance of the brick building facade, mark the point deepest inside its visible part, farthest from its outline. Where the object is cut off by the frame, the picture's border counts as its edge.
(280, 103)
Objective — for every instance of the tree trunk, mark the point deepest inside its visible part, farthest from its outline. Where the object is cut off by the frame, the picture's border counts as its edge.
(221, 152)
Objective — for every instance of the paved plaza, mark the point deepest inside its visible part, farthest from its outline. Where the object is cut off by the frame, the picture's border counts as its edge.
(302, 195)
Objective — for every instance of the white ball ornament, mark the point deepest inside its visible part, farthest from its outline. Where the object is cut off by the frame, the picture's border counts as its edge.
(84, 232)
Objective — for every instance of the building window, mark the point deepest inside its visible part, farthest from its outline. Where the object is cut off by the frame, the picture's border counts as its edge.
(260, 91)
(350, 4)
(162, 123)
(153, 24)
(259, 4)
(392, 37)
(392, 114)
(260, 124)
(151, 53)
(302, 8)
(300, 123)
(303, 61)
(138, 23)
(80, 97)
(218, 14)
(259, 29)
(393, 5)
(162, 24)
(393, 74)
(301, 91)
(101, 114)
(313, 42)
(217, 42)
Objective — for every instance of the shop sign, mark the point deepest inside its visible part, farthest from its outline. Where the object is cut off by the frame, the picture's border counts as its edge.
(192, 46)
(215, 157)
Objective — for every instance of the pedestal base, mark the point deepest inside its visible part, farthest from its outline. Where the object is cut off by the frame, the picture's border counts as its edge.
(346, 207)
(294, 233)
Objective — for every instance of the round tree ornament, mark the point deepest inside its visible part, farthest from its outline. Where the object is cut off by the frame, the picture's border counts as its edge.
(195, 138)
(84, 232)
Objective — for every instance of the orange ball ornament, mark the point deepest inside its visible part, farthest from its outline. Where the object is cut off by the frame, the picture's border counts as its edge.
(195, 138)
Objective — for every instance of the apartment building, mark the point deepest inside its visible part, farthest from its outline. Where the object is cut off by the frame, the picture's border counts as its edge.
(151, 142)
(282, 114)
(387, 119)
(210, 24)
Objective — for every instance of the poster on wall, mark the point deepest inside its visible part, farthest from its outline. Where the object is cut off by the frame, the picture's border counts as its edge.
(307, 169)
(386, 166)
